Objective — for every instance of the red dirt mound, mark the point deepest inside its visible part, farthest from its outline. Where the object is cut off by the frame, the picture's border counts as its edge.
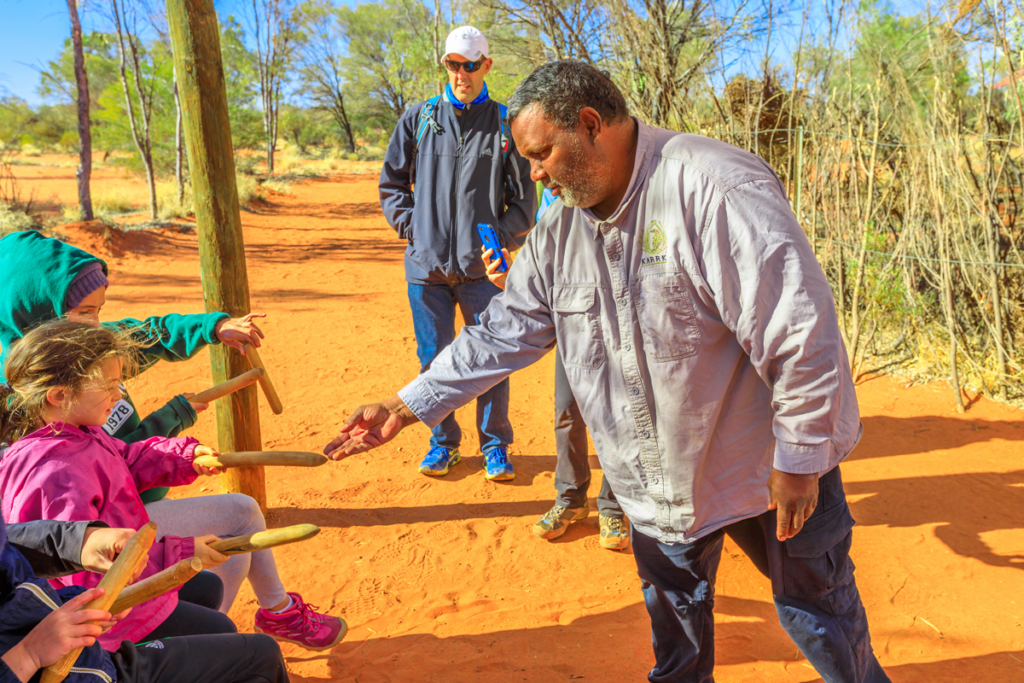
(104, 240)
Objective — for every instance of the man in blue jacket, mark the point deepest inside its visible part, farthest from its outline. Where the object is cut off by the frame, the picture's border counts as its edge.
(457, 151)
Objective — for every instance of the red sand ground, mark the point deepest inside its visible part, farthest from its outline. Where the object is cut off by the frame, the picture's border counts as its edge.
(441, 579)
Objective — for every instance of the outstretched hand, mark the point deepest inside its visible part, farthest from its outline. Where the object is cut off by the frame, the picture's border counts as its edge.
(237, 332)
(795, 496)
(370, 426)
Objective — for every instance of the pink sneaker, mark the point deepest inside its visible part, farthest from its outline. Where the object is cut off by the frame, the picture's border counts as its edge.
(302, 625)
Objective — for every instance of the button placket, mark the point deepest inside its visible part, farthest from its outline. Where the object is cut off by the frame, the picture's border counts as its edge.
(650, 456)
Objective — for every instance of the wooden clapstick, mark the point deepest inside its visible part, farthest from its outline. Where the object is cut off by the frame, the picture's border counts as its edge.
(158, 584)
(135, 553)
(262, 540)
(268, 387)
(231, 386)
(262, 459)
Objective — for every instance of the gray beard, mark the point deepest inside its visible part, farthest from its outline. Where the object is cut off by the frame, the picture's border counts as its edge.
(579, 188)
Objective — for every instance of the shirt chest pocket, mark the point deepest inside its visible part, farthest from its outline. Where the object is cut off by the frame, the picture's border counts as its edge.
(578, 323)
(667, 319)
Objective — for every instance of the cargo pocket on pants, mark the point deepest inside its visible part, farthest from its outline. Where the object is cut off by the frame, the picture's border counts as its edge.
(817, 560)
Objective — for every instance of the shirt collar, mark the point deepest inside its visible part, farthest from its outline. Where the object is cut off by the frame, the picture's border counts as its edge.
(641, 166)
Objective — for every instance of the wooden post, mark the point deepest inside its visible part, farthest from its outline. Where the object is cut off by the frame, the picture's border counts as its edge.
(195, 40)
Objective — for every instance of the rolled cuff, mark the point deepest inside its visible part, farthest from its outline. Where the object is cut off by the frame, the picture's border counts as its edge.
(188, 547)
(793, 458)
(423, 403)
(186, 414)
(184, 471)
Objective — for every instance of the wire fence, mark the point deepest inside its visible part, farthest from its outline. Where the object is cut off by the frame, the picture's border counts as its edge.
(920, 240)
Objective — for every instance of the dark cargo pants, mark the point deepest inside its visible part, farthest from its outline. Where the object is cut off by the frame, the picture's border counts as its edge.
(812, 582)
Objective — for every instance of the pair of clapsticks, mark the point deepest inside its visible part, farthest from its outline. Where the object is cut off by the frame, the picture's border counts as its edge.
(253, 458)
(257, 374)
(119, 596)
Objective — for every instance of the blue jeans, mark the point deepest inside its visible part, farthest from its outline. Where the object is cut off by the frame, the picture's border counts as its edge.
(433, 319)
(812, 582)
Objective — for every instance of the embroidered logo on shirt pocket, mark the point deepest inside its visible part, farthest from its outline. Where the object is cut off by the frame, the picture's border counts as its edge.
(667, 318)
(578, 324)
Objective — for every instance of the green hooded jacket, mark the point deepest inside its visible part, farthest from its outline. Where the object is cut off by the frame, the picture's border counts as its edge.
(35, 274)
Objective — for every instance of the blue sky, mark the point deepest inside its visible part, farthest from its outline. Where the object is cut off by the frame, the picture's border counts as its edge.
(33, 32)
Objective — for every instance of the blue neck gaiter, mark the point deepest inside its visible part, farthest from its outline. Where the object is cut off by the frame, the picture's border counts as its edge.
(483, 97)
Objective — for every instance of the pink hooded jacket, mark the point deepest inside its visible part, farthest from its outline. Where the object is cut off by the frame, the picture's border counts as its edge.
(79, 474)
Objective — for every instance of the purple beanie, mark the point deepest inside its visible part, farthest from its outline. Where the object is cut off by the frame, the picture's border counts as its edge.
(85, 283)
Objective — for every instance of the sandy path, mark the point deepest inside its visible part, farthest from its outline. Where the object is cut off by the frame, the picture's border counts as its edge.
(441, 579)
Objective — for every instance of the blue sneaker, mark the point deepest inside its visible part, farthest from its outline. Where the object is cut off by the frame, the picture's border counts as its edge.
(497, 465)
(438, 461)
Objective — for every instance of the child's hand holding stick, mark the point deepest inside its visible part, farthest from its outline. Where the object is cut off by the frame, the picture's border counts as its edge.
(68, 629)
(125, 567)
(205, 461)
(101, 546)
(205, 552)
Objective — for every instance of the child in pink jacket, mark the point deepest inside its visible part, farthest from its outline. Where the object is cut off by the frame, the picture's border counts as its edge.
(76, 474)
(63, 379)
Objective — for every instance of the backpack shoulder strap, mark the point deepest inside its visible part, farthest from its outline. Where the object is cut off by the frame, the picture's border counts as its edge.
(503, 122)
(426, 119)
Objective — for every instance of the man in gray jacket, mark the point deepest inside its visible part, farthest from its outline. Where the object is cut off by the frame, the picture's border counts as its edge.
(458, 152)
(701, 341)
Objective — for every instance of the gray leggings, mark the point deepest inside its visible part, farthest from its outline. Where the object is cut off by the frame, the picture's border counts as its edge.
(224, 515)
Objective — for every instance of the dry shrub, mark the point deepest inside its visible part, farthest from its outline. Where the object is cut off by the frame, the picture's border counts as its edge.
(278, 185)
(116, 202)
(14, 220)
(168, 203)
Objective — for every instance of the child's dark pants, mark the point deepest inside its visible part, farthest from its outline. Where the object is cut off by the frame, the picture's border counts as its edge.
(236, 658)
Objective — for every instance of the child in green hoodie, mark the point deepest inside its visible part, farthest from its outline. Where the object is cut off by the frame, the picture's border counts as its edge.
(45, 279)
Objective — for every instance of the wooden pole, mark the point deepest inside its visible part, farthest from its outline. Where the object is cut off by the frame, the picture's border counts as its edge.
(195, 40)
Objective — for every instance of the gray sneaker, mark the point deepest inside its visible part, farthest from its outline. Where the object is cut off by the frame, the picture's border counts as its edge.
(556, 520)
(614, 533)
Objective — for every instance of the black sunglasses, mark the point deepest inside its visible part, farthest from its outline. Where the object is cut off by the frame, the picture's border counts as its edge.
(470, 67)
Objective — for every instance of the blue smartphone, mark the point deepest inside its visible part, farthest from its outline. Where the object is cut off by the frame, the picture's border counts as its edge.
(490, 239)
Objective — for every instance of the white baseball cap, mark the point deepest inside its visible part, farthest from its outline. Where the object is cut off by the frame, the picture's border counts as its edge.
(466, 41)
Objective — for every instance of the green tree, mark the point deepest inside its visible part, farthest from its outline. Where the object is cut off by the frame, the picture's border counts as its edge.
(320, 56)
(390, 48)
(242, 86)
